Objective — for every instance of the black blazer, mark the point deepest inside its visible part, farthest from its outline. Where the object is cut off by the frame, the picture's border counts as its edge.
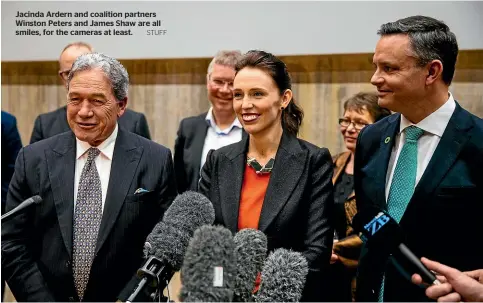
(443, 218)
(55, 122)
(11, 145)
(37, 245)
(296, 208)
(188, 149)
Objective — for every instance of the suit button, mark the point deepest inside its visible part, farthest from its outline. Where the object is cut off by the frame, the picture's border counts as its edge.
(67, 263)
(71, 299)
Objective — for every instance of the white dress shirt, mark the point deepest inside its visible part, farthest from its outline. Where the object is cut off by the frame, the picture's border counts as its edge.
(433, 126)
(103, 163)
(216, 138)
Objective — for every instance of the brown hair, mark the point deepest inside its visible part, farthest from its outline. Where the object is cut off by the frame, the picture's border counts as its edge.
(367, 101)
(292, 116)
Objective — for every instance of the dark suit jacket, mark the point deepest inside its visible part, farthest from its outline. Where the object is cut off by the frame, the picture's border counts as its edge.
(11, 145)
(188, 149)
(55, 122)
(297, 206)
(443, 218)
(37, 245)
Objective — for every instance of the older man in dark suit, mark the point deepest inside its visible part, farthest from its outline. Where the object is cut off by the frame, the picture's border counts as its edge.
(55, 122)
(103, 190)
(423, 165)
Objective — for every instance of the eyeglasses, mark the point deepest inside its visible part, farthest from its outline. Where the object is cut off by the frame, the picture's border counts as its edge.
(221, 83)
(346, 122)
(64, 74)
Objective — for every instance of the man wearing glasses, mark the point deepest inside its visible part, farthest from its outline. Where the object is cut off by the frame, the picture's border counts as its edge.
(55, 122)
(211, 130)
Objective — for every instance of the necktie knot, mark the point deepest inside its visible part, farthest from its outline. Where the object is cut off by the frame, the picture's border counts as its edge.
(92, 153)
(413, 133)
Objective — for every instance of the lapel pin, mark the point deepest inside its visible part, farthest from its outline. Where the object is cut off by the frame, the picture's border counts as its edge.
(387, 140)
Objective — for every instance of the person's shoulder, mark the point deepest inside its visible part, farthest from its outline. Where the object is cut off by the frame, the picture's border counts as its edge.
(59, 142)
(191, 120)
(150, 147)
(133, 114)
(311, 147)
(8, 119)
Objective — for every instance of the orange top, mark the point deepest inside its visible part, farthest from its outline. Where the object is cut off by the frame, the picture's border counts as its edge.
(252, 195)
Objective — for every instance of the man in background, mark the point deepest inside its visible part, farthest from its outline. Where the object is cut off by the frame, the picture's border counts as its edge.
(423, 165)
(216, 128)
(55, 122)
(11, 145)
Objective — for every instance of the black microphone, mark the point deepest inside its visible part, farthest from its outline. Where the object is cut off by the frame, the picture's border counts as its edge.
(166, 245)
(209, 266)
(384, 234)
(21, 207)
(251, 251)
(283, 277)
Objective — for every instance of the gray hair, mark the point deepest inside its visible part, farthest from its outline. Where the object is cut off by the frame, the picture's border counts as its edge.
(430, 39)
(225, 57)
(113, 69)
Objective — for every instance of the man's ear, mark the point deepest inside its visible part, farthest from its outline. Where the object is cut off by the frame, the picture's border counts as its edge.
(435, 71)
(122, 107)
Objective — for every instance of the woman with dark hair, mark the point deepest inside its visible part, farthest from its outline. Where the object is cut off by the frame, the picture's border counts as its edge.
(271, 180)
(360, 110)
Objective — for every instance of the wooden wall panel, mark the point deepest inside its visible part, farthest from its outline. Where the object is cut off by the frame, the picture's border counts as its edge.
(169, 90)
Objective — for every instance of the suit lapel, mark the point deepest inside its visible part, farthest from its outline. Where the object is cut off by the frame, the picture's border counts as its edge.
(61, 168)
(232, 170)
(290, 162)
(381, 160)
(454, 138)
(125, 160)
(198, 143)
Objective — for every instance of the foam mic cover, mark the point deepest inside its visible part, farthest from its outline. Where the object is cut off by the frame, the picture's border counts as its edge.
(385, 236)
(283, 277)
(170, 238)
(167, 243)
(209, 267)
(251, 251)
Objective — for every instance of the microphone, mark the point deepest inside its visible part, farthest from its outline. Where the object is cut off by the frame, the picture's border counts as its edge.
(209, 267)
(283, 277)
(384, 234)
(21, 207)
(166, 245)
(251, 251)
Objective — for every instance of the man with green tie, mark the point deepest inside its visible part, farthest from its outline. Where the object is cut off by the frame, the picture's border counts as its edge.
(423, 164)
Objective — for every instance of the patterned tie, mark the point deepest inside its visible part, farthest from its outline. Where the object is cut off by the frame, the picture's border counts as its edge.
(87, 219)
(403, 181)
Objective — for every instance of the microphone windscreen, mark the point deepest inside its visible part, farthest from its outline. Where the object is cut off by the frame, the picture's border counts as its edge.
(209, 267)
(169, 239)
(283, 277)
(251, 251)
(189, 211)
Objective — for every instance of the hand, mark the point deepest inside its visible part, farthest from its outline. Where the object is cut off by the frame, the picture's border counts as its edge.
(456, 286)
(333, 258)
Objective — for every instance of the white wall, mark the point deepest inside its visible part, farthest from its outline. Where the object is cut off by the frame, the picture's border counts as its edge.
(199, 29)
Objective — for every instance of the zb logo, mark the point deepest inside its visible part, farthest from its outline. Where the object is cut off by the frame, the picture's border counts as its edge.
(376, 224)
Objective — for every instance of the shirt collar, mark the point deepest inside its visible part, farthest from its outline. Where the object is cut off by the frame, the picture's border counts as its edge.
(436, 122)
(211, 122)
(106, 147)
